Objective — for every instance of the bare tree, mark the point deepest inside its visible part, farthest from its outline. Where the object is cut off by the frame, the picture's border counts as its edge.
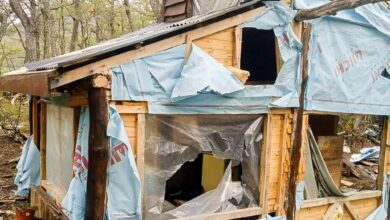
(29, 23)
(128, 14)
(75, 27)
(157, 7)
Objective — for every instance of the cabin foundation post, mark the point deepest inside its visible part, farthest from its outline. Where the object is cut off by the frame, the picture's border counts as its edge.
(298, 132)
(98, 152)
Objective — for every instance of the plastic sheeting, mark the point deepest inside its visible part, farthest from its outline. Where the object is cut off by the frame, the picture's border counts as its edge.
(205, 6)
(174, 140)
(28, 168)
(349, 62)
(205, 86)
(123, 189)
(319, 182)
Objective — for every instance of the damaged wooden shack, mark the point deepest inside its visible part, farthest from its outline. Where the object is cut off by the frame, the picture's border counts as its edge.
(209, 105)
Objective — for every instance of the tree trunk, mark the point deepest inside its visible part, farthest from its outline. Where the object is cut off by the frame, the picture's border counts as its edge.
(75, 27)
(29, 25)
(128, 14)
(157, 9)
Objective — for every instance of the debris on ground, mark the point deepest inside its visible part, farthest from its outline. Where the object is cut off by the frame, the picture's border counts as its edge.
(9, 156)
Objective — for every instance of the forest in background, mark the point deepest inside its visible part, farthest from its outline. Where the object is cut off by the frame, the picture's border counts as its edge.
(32, 30)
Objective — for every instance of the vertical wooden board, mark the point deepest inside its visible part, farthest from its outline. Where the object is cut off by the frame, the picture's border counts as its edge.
(387, 131)
(237, 47)
(42, 143)
(301, 172)
(130, 122)
(274, 160)
(220, 45)
(331, 148)
(35, 120)
(264, 163)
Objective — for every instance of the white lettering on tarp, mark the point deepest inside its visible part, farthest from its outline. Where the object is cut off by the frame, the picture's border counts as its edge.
(348, 62)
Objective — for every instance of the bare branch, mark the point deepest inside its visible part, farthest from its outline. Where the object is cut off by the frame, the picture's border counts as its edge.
(331, 8)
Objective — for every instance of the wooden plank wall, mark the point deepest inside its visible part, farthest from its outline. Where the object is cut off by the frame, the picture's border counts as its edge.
(279, 147)
(220, 45)
(46, 207)
(362, 208)
(130, 122)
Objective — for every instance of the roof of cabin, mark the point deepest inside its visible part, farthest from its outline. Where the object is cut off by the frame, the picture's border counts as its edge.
(137, 39)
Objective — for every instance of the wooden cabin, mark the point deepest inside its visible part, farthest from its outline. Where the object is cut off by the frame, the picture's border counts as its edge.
(85, 75)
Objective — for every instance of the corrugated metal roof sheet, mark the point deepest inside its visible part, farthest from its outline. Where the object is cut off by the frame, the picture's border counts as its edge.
(154, 32)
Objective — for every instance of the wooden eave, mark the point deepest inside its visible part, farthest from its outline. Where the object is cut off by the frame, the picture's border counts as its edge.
(32, 83)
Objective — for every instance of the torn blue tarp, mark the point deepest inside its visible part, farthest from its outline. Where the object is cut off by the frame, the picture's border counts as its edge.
(278, 17)
(73, 204)
(205, 86)
(123, 188)
(349, 62)
(28, 168)
(124, 185)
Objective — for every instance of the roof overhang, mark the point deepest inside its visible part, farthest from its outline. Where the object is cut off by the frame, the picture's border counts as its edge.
(33, 83)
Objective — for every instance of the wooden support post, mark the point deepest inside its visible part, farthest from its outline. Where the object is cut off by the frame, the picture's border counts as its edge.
(35, 120)
(382, 171)
(264, 165)
(98, 153)
(297, 143)
(141, 153)
(42, 140)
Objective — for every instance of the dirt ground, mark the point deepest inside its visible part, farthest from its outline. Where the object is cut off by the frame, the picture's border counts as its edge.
(9, 151)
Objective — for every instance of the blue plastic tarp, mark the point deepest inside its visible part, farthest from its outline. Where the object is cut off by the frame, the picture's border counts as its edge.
(28, 168)
(349, 62)
(205, 86)
(278, 17)
(123, 186)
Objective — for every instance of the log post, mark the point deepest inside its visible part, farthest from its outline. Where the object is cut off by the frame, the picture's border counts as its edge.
(98, 153)
(297, 142)
(331, 8)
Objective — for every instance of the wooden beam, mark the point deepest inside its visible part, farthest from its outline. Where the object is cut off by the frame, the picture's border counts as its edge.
(132, 107)
(98, 153)
(355, 216)
(331, 8)
(113, 61)
(42, 144)
(329, 214)
(33, 83)
(329, 200)
(297, 143)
